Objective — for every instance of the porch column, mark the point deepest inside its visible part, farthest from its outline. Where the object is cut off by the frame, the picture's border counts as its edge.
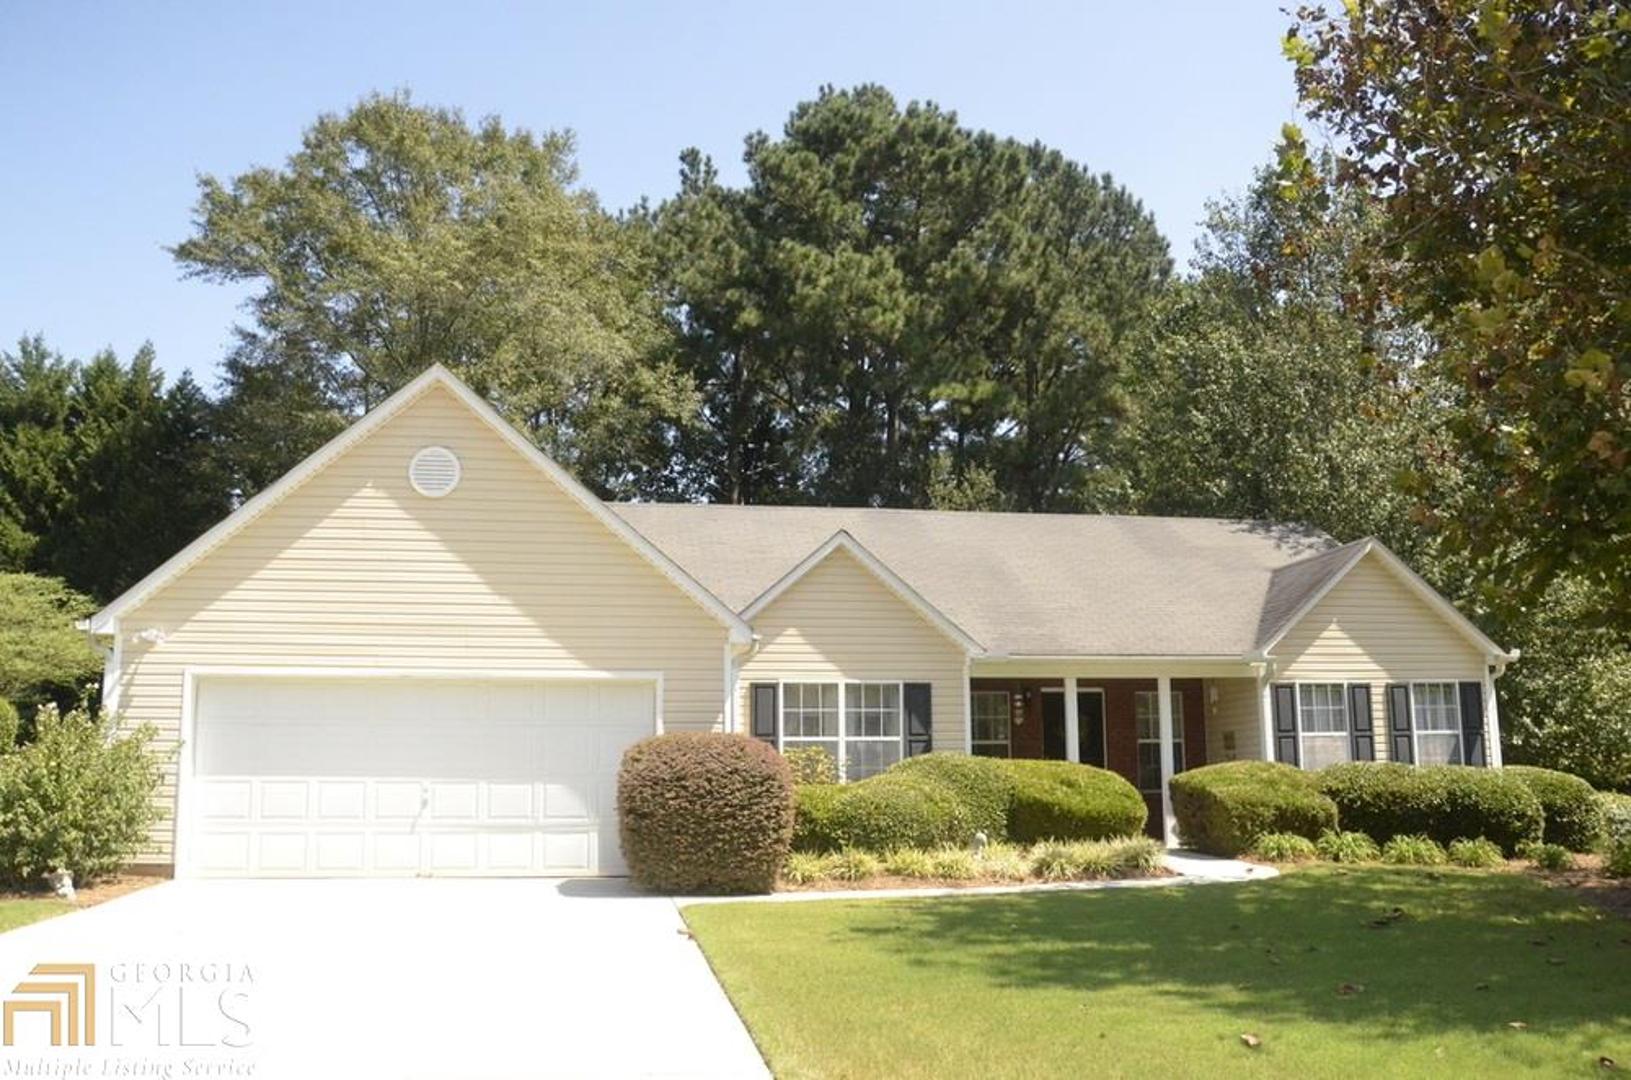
(1169, 825)
(1493, 754)
(1073, 733)
(1265, 714)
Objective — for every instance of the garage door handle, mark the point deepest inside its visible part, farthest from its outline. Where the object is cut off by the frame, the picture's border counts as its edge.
(424, 796)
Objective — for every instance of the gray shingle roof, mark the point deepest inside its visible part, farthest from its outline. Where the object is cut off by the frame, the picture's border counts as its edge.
(1027, 584)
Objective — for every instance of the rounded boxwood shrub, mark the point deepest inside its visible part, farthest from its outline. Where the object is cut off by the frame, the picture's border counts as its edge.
(892, 810)
(1573, 816)
(813, 810)
(1443, 802)
(704, 812)
(1061, 800)
(1222, 809)
(985, 786)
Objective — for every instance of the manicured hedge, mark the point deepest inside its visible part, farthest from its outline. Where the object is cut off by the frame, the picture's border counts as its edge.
(888, 811)
(1574, 818)
(1444, 802)
(984, 785)
(702, 812)
(1061, 800)
(1223, 809)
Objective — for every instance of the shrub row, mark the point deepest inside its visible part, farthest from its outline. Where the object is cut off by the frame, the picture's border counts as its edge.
(1573, 817)
(945, 799)
(1053, 860)
(1444, 802)
(1223, 809)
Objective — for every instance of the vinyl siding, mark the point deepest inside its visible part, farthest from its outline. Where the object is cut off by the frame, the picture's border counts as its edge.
(1236, 711)
(1372, 628)
(355, 569)
(839, 622)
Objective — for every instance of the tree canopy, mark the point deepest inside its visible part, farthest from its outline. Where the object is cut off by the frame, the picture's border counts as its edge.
(1495, 139)
(399, 236)
(42, 655)
(104, 471)
(895, 307)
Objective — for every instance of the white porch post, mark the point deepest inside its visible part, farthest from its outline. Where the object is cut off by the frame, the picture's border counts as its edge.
(1265, 706)
(1169, 827)
(1073, 733)
(1493, 755)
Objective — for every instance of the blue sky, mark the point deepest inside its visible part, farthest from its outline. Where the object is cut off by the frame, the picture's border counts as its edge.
(108, 112)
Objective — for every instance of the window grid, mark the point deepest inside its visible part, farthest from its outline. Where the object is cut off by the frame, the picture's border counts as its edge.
(1323, 724)
(992, 723)
(870, 737)
(1435, 709)
(1147, 720)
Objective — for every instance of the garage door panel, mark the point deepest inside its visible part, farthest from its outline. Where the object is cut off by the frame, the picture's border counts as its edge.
(337, 852)
(510, 802)
(396, 853)
(342, 800)
(283, 799)
(338, 777)
(228, 800)
(281, 852)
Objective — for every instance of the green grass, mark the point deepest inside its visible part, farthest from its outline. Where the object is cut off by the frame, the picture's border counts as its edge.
(1163, 982)
(21, 912)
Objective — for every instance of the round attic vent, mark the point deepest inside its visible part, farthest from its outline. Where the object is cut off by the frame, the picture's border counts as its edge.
(434, 471)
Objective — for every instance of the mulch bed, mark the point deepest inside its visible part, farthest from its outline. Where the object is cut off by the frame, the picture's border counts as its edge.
(1588, 880)
(108, 888)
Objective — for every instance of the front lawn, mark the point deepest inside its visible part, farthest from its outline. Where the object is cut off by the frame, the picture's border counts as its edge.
(21, 911)
(1336, 971)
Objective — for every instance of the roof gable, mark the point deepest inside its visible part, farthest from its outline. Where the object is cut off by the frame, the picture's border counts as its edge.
(435, 376)
(1309, 582)
(843, 541)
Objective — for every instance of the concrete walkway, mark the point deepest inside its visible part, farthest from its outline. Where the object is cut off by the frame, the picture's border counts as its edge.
(1188, 868)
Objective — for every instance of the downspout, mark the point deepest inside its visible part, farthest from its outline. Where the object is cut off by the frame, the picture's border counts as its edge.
(111, 645)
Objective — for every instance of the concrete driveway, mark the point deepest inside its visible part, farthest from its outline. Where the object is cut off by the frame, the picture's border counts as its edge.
(415, 978)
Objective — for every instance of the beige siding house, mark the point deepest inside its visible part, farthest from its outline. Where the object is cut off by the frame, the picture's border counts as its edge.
(425, 649)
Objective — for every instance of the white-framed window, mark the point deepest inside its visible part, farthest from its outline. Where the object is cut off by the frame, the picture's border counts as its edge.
(1324, 727)
(992, 723)
(1435, 720)
(810, 716)
(1147, 719)
(861, 724)
(872, 729)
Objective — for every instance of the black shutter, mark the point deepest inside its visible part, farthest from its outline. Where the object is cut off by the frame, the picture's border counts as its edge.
(1285, 723)
(1401, 747)
(763, 699)
(919, 719)
(1364, 732)
(1472, 724)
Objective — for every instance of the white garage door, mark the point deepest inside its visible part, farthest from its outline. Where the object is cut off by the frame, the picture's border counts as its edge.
(352, 777)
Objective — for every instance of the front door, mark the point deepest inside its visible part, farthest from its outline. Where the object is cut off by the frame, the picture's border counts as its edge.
(1089, 725)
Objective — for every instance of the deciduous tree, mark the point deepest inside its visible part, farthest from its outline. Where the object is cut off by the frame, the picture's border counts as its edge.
(399, 236)
(1495, 136)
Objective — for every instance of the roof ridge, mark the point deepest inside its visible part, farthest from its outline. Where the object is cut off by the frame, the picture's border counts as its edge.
(1032, 514)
